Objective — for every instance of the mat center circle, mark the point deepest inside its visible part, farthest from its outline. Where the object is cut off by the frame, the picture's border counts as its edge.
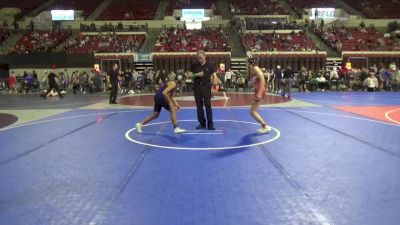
(226, 136)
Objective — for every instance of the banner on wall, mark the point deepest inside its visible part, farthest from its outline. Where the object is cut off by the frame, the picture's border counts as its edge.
(193, 13)
(143, 57)
(322, 13)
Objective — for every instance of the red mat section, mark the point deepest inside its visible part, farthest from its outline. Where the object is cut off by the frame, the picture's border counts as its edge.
(389, 114)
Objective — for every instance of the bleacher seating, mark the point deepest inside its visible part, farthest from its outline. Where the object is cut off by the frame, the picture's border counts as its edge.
(181, 40)
(256, 7)
(198, 4)
(377, 9)
(270, 24)
(23, 5)
(39, 41)
(358, 39)
(130, 10)
(87, 6)
(299, 5)
(278, 42)
(105, 43)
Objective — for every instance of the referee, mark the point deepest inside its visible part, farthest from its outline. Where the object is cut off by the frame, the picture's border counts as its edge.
(112, 80)
(202, 73)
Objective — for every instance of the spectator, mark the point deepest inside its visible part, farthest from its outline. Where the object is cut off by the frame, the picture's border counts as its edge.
(396, 80)
(172, 76)
(82, 83)
(75, 82)
(277, 76)
(371, 82)
(381, 77)
(334, 74)
(387, 77)
(162, 77)
(240, 82)
(302, 77)
(287, 80)
(321, 82)
(392, 66)
(128, 81)
(228, 78)
(12, 83)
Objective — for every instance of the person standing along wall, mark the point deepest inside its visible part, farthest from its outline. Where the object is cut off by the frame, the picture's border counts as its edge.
(112, 80)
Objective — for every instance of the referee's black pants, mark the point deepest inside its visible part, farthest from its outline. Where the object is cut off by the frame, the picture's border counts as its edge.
(202, 96)
(114, 92)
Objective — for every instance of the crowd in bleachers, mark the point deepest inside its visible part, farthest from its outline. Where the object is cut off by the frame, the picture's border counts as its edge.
(39, 41)
(105, 42)
(110, 27)
(278, 42)
(23, 5)
(256, 7)
(130, 10)
(360, 38)
(192, 4)
(270, 24)
(173, 39)
(299, 6)
(87, 6)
